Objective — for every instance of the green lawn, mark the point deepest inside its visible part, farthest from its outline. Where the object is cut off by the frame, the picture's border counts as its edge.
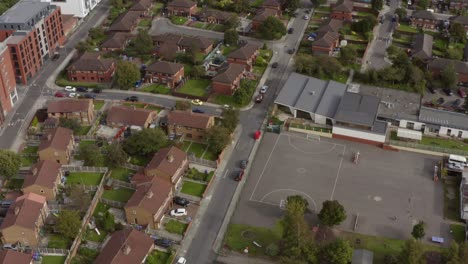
(217, 27)
(458, 232)
(91, 235)
(59, 241)
(120, 195)
(238, 237)
(53, 259)
(83, 131)
(178, 20)
(145, 23)
(157, 89)
(199, 175)
(153, 107)
(84, 143)
(27, 161)
(198, 25)
(222, 99)
(193, 188)
(136, 105)
(86, 178)
(175, 227)
(195, 87)
(122, 174)
(209, 155)
(407, 28)
(444, 143)
(186, 145)
(140, 160)
(323, 8)
(197, 149)
(15, 184)
(30, 150)
(101, 208)
(452, 201)
(159, 257)
(98, 105)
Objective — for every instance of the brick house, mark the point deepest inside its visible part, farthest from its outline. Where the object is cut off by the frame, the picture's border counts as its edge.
(202, 44)
(463, 20)
(126, 246)
(184, 8)
(168, 163)
(261, 16)
(116, 41)
(81, 109)
(437, 65)
(343, 10)
(142, 6)
(57, 145)
(274, 5)
(227, 81)
(123, 116)
(174, 43)
(422, 47)
(90, 67)
(245, 55)
(213, 16)
(24, 220)
(44, 179)
(423, 19)
(192, 125)
(148, 203)
(325, 43)
(12, 256)
(126, 22)
(458, 5)
(163, 72)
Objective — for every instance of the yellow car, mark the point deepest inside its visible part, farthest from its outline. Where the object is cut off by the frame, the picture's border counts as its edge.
(197, 102)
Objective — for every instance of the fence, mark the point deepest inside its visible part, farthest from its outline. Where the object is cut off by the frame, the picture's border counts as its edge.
(429, 148)
(112, 203)
(204, 162)
(132, 167)
(84, 169)
(87, 137)
(53, 251)
(123, 184)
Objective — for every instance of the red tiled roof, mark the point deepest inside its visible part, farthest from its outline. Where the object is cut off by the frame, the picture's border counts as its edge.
(263, 14)
(141, 5)
(117, 40)
(344, 6)
(162, 160)
(128, 116)
(165, 67)
(126, 21)
(125, 246)
(91, 62)
(188, 119)
(245, 52)
(181, 3)
(326, 40)
(58, 138)
(44, 173)
(69, 106)
(24, 212)
(150, 196)
(8, 256)
(229, 75)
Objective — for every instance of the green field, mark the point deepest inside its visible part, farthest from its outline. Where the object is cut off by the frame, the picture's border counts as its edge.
(193, 188)
(157, 89)
(195, 87)
(59, 241)
(120, 195)
(175, 227)
(85, 178)
(122, 174)
(53, 259)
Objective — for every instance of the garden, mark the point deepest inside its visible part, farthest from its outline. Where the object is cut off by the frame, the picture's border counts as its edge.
(177, 20)
(195, 174)
(156, 89)
(118, 194)
(199, 150)
(85, 178)
(53, 259)
(446, 143)
(196, 87)
(122, 174)
(193, 188)
(208, 26)
(176, 227)
(160, 257)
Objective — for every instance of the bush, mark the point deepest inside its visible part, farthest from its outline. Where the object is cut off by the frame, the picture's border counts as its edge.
(272, 250)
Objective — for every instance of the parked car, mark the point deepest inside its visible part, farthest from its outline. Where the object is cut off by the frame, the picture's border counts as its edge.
(89, 96)
(441, 100)
(198, 110)
(457, 102)
(197, 102)
(291, 51)
(60, 94)
(181, 201)
(448, 91)
(264, 89)
(70, 89)
(163, 242)
(274, 65)
(10, 246)
(243, 164)
(182, 260)
(305, 17)
(132, 98)
(56, 56)
(238, 175)
(72, 95)
(97, 90)
(461, 93)
(290, 30)
(179, 212)
(431, 89)
(81, 89)
(259, 98)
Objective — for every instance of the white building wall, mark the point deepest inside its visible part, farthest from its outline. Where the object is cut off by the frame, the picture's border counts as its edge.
(453, 132)
(358, 134)
(417, 125)
(78, 8)
(319, 119)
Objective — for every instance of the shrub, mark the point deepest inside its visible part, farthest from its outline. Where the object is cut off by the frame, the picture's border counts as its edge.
(272, 250)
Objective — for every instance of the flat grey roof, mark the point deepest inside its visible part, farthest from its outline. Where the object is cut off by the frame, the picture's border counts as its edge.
(362, 256)
(22, 11)
(311, 95)
(358, 109)
(443, 118)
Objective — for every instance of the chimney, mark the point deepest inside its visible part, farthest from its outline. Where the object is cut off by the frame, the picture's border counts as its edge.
(149, 194)
(170, 158)
(17, 210)
(34, 171)
(49, 136)
(126, 249)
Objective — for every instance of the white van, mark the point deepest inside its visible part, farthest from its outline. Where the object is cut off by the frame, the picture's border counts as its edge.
(457, 160)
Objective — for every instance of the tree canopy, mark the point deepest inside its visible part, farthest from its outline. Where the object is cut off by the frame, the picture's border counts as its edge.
(230, 119)
(332, 213)
(412, 253)
(92, 156)
(458, 32)
(348, 55)
(336, 252)
(69, 223)
(448, 76)
(231, 37)
(377, 5)
(418, 230)
(115, 155)
(323, 67)
(218, 138)
(145, 142)
(126, 74)
(143, 43)
(272, 28)
(9, 163)
(70, 123)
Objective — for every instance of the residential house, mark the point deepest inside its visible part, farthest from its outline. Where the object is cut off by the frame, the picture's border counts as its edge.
(90, 67)
(123, 116)
(227, 81)
(422, 47)
(201, 44)
(168, 163)
(57, 145)
(126, 246)
(174, 43)
(273, 5)
(362, 256)
(126, 22)
(333, 25)
(436, 66)
(213, 16)
(81, 109)
(117, 41)
(261, 16)
(423, 19)
(142, 6)
(192, 125)
(184, 8)
(44, 179)
(12, 256)
(245, 55)
(24, 220)
(325, 43)
(166, 73)
(148, 203)
(343, 10)
(456, 5)
(463, 20)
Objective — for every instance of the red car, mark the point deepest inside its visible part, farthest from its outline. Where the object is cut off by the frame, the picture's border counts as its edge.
(60, 94)
(461, 93)
(239, 175)
(259, 98)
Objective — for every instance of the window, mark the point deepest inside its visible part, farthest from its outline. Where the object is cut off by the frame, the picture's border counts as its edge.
(410, 125)
(42, 191)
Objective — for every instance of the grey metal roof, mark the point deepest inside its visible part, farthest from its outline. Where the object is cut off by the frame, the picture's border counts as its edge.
(362, 256)
(23, 11)
(311, 95)
(358, 109)
(443, 118)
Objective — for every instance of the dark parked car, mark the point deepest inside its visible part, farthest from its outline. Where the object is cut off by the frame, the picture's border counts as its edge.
(97, 90)
(457, 102)
(81, 89)
(243, 164)
(290, 30)
(259, 98)
(163, 242)
(132, 98)
(291, 51)
(461, 93)
(274, 65)
(238, 175)
(198, 110)
(441, 100)
(431, 89)
(56, 56)
(448, 91)
(181, 201)
(89, 96)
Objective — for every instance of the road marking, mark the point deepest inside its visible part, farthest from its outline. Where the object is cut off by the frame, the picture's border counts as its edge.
(225, 174)
(338, 173)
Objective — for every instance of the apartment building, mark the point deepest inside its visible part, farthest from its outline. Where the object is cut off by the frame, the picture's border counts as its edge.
(32, 31)
(8, 94)
(77, 8)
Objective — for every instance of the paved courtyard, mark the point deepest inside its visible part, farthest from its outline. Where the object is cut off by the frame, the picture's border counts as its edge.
(387, 192)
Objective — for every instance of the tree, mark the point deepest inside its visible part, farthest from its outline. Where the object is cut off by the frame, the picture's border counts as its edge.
(318, 3)
(70, 123)
(364, 25)
(454, 54)
(92, 156)
(230, 119)
(272, 28)
(217, 138)
(293, 4)
(401, 12)
(243, 95)
(119, 4)
(448, 77)
(182, 105)
(107, 222)
(143, 43)
(126, 74)
(145, 142)
(224, 4)
(233, 21)
(348, 55)
(458, 32)
(418, 230)
(463, 253)
(68, 223)
(83, 46)
(197, 71)
(332, 213)
(115, 155)
(390, 259)
(412, 253)
(231, 37)
(81, 199)
(452, 254)
(423, 4)
(336, 252)
(97, 33)
(377, 5)
(9, 163)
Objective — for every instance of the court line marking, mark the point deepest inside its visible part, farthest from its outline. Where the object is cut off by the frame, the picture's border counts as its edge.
(225, 174)
(291, 190)
(308, 152)
(319, 142)
(338, 174)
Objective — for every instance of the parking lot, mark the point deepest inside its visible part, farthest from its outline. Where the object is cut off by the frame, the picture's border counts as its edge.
(387, 192)
(450, 101)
